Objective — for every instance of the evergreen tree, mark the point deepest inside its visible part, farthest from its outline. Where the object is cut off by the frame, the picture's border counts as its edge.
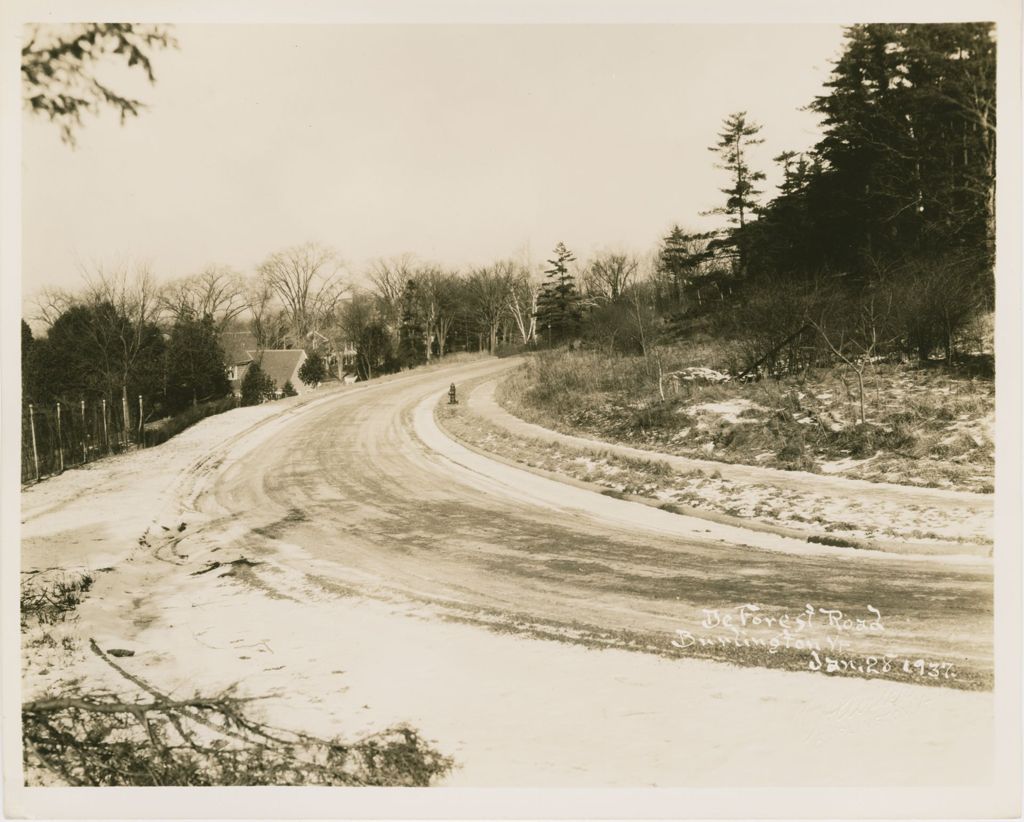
(736, 137)
(195, 363)
(910, 138)
(62, 73)
(28, 377)
(795, 171)
(412, 346)
(257, 386)
(314, 370)
(558, 304)
(93, 351)
(679, 260)
(905, 167)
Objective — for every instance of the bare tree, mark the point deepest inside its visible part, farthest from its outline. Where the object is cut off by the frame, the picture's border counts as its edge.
(306, 279)
(132, 291)
(450, 289)
(133, 295)
(265, 315)
(522, 302)
(488, 295)
(855, 336)
(216, 292)
(437, 293)
(50, 303)
(609, 274)
(389, 278)
(356, 314)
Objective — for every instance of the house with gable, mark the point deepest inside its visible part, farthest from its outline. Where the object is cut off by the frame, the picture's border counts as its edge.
(283, 366)
(241, 350)
(238, 347)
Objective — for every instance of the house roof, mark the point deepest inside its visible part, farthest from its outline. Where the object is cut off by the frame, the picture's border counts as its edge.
(238, 347)
(280, 365)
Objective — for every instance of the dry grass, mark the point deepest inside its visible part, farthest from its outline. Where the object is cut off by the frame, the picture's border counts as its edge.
(51, 597)
(698, 490)
(922, 426)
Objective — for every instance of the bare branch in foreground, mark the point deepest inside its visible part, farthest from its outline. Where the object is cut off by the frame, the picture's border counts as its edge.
(105, 740)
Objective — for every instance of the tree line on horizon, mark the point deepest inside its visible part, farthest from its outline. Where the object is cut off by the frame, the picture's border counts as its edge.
(123, 334)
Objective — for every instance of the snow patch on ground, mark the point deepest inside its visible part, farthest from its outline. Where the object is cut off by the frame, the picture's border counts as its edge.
(824, 512)
(519, 712)
(841, 465)
(729, 410)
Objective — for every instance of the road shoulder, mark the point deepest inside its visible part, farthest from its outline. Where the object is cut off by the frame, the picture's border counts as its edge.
(822, 510)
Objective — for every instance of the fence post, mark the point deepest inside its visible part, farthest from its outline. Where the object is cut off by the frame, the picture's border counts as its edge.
(126, 430)
(142, 427)
(85, 453)
(35, 451)
(60, 442)
(106, 437)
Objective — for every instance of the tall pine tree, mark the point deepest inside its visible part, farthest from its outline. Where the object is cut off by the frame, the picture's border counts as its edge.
(558, 305)
(742, 195)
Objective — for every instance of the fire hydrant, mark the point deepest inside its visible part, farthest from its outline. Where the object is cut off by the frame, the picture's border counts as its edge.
(451, 396)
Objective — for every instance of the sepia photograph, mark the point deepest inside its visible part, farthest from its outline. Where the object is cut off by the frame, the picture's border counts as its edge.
(476, 397)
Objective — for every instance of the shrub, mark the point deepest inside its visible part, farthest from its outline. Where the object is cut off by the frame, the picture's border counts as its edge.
(313, 370)
(865, 440)
(187, 418)
(936, 301)
(288, 390)
(49, 599)
(795, 455)
(257, 386)
(656, 416)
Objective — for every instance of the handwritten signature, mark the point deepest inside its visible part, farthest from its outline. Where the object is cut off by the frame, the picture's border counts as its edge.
(826, 635)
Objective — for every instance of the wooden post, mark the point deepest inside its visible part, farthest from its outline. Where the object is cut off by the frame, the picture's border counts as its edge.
(85, 452)
(106, 437)
(126, 430)
(60, 444)
(142, 428)
(35, 450)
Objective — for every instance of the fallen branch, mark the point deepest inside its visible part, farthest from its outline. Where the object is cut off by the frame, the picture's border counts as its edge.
(105, 740)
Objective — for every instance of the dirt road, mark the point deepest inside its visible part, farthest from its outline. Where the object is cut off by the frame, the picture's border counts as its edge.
(352, 484)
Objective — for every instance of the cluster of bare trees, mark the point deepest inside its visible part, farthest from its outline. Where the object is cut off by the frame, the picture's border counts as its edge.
(294, 294)
(412, 311)
(125, 341)
(400, 312)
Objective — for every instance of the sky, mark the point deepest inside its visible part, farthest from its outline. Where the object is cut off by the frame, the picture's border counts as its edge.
(459, 144)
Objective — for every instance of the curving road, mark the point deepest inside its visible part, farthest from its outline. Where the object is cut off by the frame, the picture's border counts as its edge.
(350, 492)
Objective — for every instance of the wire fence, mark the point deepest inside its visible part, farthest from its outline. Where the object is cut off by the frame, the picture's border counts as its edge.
(62, 435)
